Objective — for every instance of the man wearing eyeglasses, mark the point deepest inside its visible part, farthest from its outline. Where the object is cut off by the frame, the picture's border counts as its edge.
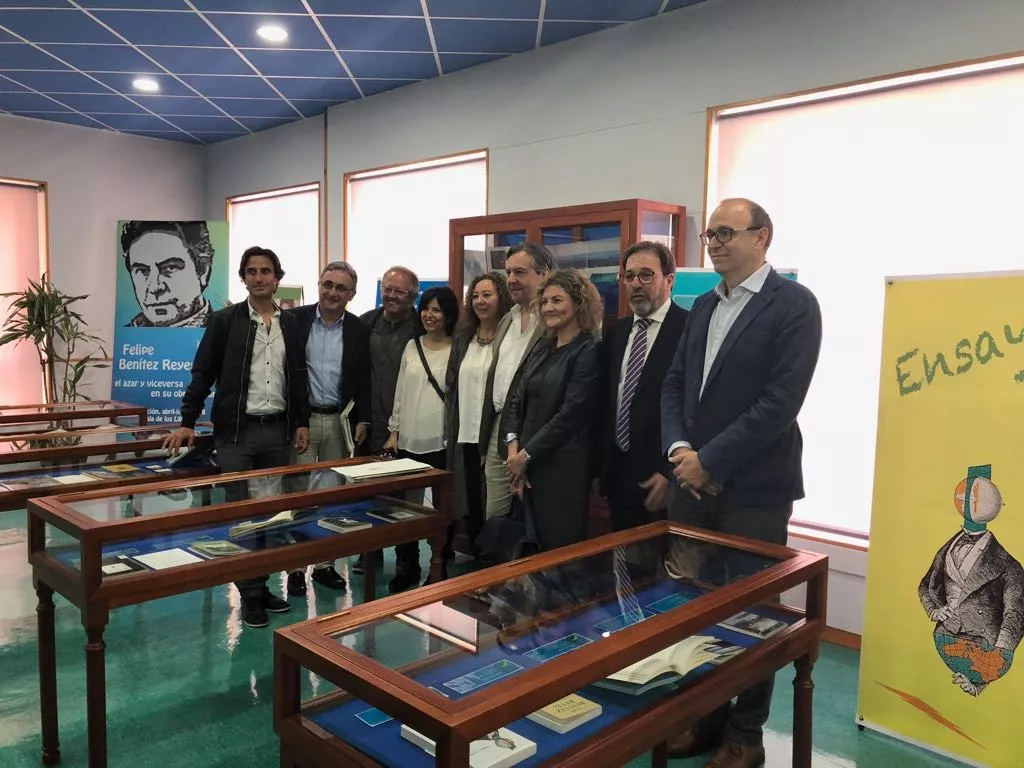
(729, 427)
(638, 350)
(337, 348)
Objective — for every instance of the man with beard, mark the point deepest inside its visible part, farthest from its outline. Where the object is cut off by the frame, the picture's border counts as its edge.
(638, 350)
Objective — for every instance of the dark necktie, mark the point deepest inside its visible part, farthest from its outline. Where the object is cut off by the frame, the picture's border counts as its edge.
(634, 367)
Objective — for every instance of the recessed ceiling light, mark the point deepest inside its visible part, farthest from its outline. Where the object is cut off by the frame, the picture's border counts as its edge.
(272, 33)
(147, 84)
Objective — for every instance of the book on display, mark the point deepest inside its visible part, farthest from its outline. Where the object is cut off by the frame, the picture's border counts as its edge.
(501, 748)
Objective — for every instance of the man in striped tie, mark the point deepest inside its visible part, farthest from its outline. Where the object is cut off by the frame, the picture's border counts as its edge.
(638, 352)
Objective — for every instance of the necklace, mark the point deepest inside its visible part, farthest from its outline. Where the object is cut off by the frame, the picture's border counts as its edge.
(482, 342)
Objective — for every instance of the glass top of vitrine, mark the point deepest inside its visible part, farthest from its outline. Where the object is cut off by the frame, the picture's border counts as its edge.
(103, 434)
(76, 405)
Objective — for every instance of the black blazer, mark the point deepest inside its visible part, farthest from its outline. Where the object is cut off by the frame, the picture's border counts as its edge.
(355, 358)
(744, 424)
(645, 413)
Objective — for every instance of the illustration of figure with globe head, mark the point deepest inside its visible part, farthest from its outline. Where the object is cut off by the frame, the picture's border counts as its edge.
(974, 591)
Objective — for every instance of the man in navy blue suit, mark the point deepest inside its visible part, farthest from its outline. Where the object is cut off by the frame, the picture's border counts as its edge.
(728, 426)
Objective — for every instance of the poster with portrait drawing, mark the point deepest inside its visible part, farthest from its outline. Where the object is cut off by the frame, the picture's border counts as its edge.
(170, 276)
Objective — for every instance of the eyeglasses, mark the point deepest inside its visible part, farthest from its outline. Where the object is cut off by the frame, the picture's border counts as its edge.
(327, 285)
(724, 234)
(645, 276)
(397, 292)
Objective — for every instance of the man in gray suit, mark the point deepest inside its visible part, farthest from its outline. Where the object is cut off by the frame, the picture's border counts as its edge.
(526, 264)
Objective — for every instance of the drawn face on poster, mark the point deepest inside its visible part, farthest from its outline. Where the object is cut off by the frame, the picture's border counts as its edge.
(169, 263)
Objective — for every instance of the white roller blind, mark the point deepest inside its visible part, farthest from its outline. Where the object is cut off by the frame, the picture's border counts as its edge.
(288, 223)
(918, 180)
(400, 216)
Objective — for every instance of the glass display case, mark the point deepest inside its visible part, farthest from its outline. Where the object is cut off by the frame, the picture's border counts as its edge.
(106, 549)
(63, 461)
(588, 655)
(586, 237)
(79, 414)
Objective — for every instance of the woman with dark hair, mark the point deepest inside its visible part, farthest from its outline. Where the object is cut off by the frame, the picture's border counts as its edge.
(417, 418)
(553, 413)
(487, 301)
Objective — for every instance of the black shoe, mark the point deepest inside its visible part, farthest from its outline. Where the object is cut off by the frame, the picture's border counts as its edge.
(274, 604)
(329, 578)
(404, 579)
(253, 613)
(297, 583)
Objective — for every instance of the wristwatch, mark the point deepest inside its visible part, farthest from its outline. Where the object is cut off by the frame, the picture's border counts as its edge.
(510, 437)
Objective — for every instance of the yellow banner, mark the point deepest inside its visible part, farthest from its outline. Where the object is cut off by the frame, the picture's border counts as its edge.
(941, 664)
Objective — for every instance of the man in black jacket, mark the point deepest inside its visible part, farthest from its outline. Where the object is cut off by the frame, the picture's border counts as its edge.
(337, 347)
(638, 350)
(253, 354)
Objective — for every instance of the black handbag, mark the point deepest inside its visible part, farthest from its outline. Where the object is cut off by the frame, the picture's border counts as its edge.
(510, 536)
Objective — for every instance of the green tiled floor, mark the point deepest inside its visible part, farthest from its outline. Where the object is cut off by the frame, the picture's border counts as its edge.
(188, 686)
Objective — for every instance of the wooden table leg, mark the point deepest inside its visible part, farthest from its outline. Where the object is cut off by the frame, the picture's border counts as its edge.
(47, 674)
(659, 755)
(96, 688)
(437, 545)
(370, 575)
(803, 691)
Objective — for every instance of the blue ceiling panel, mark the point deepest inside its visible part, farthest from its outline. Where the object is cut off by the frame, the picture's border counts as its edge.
(296, 63)
(601, 10)
(69, 118)
(484, 36)
(367, 7)
(240, 29)
(256, 107)
(330, 88)
(220, 79)
(102, 58)
(353, 33)
(392, 65)
(484, 9)
(198, 61)
(557, 31)
(29, 102)
(51, 26)
(161, 28)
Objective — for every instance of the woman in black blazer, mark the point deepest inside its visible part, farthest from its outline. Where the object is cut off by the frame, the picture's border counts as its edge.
(554, 411)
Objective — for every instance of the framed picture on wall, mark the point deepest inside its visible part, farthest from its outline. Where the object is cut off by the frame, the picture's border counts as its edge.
(289, 296)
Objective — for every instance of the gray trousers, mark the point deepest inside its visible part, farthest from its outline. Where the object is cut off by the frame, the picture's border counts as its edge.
(259, 446)
(743, 719)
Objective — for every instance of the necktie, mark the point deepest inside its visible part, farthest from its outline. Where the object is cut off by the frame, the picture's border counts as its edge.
(634, 367)
(628, 604)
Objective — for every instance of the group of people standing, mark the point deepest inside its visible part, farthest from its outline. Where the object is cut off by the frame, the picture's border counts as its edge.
(528, 401)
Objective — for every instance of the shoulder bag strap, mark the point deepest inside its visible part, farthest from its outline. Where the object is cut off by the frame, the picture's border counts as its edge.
(430, 375)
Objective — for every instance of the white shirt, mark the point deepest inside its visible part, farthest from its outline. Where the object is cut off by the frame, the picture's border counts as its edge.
(266, 370)
(657, 318)
(472, 386)
(418, 413)
(510, 354)
(723, 318)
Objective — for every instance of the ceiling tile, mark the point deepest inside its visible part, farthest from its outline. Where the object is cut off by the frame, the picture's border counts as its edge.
(213, 138)
(484, 36)
(256, 107)
(368, 7)
(25, 102)
(169, 135)
(600, 10)
(210, 86)
(296, 63)
(312, 107)
(122, 83)
(263, 123)
(136, 123)
(199, 61)
(240, 29)
(58, 82)
(352, 33)
(177, 105)
(204, 123)
(98, 102)
(8, 38)
(485, 9)
(557, 31)
(34, 4)
(27, 57)
(251, 6)
(391, 65)
(69, 118)
(149, 5)
(101, 58)
(53, 26)
(453, 62)
(675, 5)
(326, 88)
(371, 87)
(11, 86)
(161, 28)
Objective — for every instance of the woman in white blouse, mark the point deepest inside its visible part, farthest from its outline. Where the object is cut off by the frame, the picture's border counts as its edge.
(487, 300)
(417, 417)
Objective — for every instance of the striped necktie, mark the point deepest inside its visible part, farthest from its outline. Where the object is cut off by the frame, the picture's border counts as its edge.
(628, 604)
(634, 367)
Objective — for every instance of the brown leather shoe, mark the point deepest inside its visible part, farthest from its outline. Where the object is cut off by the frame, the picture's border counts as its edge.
(692, 742)
(732, 754)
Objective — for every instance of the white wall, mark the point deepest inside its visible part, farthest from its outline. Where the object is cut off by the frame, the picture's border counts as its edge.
(94, 179)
